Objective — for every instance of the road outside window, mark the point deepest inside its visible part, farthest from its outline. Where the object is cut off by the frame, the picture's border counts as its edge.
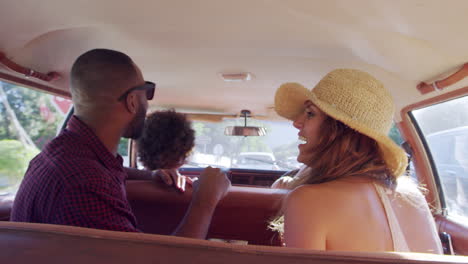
(445, 128)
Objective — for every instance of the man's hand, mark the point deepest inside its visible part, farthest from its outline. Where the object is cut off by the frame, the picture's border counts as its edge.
(211, 187)
(172, 178)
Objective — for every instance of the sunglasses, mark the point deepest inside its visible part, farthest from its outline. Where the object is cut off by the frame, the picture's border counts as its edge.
(150, 87)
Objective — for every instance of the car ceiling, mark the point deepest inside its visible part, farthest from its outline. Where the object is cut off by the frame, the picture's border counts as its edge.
(184, 45)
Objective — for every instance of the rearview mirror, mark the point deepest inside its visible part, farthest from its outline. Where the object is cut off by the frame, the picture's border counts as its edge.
(245, 131)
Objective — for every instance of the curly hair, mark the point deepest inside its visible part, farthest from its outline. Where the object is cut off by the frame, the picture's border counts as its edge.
(166, 141)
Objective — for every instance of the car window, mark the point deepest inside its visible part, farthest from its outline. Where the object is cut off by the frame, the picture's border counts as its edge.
(29, 119)
(277, 150)
(123, 151)
(445, 130)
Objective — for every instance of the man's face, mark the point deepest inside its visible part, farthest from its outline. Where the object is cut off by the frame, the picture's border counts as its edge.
(135, 127)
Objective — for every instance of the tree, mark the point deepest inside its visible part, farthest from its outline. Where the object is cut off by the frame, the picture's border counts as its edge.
(395, 135)
(23, 129)
(26, 105)
(232, 145)
(123, 147)
(19, 130)
(14, 160)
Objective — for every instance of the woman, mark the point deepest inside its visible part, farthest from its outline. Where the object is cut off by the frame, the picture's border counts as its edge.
(165, 144)
(349, 197)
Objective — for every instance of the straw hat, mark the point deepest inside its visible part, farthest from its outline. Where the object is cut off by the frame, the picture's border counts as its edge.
(355, 98)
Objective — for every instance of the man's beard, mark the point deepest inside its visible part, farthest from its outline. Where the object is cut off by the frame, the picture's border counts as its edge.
(135, 128)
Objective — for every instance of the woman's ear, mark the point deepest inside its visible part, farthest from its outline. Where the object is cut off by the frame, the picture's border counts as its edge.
(131, 103)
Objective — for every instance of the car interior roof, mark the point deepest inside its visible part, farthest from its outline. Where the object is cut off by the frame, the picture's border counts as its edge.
(185, 45)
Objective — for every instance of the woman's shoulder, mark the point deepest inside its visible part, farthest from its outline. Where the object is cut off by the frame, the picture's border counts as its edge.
(332, 194)
(331, 201)
(306, 194)
(409, 192)
(319, 193)
(350, 190)
(310, 190)
(333, 187)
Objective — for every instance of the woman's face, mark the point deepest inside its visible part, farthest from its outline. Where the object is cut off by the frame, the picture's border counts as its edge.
(309, 124)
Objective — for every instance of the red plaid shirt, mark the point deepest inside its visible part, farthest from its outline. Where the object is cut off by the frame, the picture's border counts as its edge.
(75, 181)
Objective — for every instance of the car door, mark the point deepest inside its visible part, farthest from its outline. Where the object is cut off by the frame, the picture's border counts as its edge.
(438, 132)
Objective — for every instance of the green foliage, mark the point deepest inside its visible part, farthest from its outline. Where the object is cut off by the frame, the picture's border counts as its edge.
(232, 145)
(26, 105)
(123, 147)
(14, 160)
(14, 156)
(199, 128)
(394, 134)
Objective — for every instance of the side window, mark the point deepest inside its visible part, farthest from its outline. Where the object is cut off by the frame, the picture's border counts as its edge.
(445, 130)
(123, 151)
(29, 119)
(395, 135)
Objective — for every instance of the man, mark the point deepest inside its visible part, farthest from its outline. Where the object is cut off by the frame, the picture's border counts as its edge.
(78, 178)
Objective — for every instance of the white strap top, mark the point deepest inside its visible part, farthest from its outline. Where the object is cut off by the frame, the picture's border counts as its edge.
(399, 241)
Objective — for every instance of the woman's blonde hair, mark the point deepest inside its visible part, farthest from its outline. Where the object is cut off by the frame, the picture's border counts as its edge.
(341, 152)
(344, 152)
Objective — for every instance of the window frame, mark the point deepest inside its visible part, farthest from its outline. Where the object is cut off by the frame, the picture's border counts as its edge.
(435, 172)
(424, 166)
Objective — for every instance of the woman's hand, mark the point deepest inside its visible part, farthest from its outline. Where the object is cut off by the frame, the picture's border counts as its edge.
(282, 183)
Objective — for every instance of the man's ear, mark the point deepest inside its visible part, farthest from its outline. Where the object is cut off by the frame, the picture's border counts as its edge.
(132, 103)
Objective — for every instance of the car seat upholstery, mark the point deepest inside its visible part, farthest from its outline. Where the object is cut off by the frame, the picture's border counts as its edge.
(44, 243)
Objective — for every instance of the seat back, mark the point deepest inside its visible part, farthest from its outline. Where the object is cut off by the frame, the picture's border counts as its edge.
(41, 243)
(244, 214)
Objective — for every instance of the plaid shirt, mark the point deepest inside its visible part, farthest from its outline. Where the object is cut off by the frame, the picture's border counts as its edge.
(75, 181)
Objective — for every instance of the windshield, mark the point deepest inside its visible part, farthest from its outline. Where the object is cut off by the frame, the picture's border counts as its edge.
(277, 150)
